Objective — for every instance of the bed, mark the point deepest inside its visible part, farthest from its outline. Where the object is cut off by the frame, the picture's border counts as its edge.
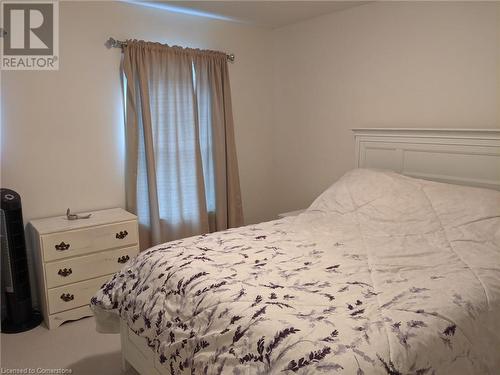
(382, 274)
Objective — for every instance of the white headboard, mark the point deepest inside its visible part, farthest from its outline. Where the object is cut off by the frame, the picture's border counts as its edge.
(457, 156)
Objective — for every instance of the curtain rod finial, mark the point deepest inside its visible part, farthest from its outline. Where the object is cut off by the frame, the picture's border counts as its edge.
(231, 57)
(112, 43)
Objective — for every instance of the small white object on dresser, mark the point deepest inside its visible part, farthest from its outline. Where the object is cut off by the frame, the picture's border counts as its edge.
(291, 213)
(75, 257)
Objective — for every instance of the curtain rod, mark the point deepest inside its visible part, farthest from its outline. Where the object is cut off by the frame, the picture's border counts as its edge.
(114, 43)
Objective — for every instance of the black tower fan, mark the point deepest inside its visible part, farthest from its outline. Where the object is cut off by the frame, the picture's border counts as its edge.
(15, 275)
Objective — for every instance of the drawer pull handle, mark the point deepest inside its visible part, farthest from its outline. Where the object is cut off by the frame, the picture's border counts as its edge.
(65, 272)
(121, 235)
(66, 297)
(123, 259)
(62, 246)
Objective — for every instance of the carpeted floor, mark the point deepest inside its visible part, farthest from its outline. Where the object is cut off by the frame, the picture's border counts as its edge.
(74, 345)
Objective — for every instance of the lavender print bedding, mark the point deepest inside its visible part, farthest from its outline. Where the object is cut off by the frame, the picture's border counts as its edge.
(383, 274)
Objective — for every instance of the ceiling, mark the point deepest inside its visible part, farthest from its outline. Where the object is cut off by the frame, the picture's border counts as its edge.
(270, 14)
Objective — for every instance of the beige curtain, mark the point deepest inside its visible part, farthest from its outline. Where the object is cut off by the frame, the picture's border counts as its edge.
(181, 167)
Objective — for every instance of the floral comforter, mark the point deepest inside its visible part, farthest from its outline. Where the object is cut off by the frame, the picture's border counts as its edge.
(383, 274)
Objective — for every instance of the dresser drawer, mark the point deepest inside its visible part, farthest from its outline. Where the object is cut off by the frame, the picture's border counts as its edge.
(72, 270)
(88, 240)
(74, 295)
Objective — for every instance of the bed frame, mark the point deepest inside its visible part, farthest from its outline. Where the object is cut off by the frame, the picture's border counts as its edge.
(465, 157)
(456, 156)
(136, 354)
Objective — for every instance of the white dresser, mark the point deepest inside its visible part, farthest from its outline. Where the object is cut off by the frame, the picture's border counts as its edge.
(75, 257)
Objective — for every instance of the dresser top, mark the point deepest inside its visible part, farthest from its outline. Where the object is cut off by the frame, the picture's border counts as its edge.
(61, 223)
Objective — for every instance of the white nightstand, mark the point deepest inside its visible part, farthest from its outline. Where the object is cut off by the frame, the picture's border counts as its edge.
(75, 257)
(291, 213)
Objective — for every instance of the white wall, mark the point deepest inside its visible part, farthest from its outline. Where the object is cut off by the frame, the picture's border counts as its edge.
(384, 64)
(62, 131)
(297, 92)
